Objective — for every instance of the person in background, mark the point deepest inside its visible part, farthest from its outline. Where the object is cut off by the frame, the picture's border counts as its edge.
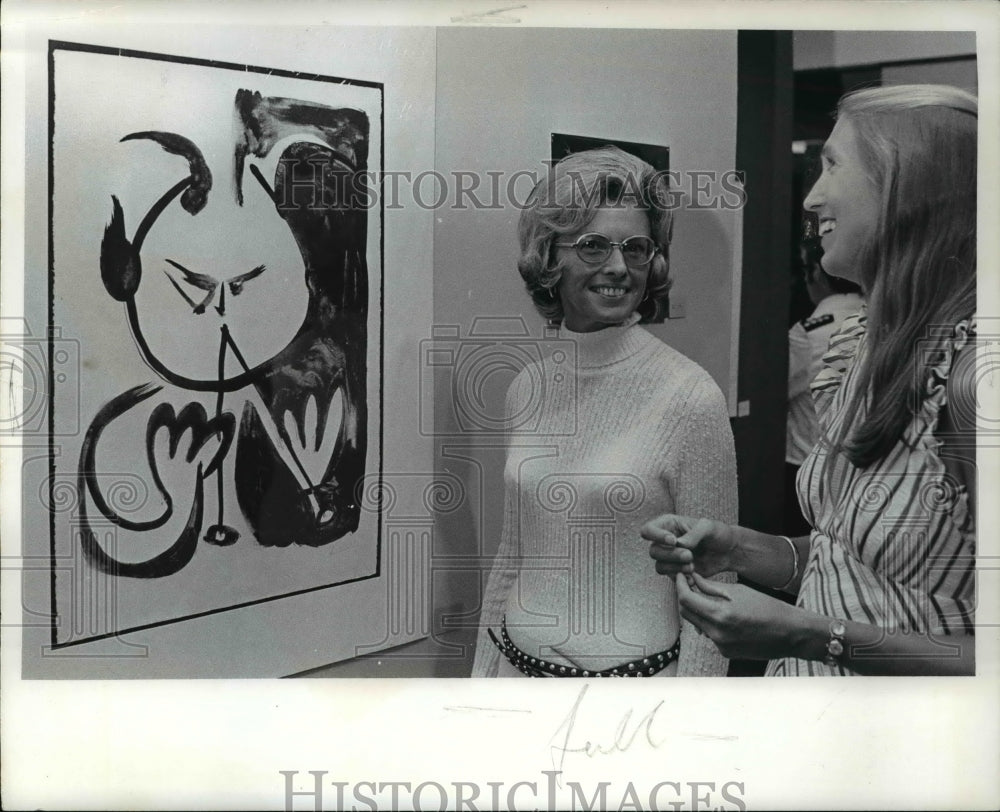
(630, 428)
(886, 580)
(834, 299)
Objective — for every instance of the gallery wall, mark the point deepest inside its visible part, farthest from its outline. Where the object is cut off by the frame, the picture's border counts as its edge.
(829, 49)
(843, 60)
(460, 100)
(276, 637)
(500, 93)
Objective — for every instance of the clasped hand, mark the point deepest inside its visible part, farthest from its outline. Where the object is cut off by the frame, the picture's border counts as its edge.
(742, 622)
(681, 544)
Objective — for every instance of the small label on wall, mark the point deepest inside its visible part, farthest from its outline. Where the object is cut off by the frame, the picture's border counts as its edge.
(743, 408)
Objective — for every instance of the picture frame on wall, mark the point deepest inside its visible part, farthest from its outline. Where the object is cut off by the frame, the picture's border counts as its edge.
(214, 324)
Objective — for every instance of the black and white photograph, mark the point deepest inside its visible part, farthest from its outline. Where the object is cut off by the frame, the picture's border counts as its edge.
(280, 419)
(378, 377)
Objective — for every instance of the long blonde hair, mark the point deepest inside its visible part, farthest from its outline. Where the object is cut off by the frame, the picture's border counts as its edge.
(918, 145)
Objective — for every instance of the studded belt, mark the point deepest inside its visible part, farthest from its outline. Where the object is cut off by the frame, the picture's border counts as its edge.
(537, 667)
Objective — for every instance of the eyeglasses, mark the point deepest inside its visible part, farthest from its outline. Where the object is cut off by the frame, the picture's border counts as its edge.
(596, 248)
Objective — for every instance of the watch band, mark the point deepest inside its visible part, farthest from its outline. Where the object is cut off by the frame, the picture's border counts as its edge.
(835, 645)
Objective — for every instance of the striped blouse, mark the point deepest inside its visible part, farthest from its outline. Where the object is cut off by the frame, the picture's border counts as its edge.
(893, 544)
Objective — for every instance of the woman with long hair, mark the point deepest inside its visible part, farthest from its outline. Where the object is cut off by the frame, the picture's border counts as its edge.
(885, 580)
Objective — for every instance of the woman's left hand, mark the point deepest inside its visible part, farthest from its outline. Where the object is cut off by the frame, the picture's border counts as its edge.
(742, 622)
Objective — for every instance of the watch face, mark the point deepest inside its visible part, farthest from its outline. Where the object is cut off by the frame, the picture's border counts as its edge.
(835, 647)
(837, 628)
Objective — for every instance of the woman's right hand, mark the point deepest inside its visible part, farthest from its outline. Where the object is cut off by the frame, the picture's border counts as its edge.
(681, 544)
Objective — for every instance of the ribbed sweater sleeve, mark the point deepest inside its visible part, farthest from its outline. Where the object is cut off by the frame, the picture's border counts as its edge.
(503, 573)
(705, 487)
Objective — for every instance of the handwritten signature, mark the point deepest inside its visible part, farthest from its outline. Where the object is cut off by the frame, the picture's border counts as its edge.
(625, 735)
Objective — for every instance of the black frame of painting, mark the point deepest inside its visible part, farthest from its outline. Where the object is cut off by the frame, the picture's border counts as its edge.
(53, 336)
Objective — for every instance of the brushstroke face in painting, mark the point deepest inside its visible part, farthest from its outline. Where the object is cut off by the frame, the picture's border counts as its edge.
(192, 266)
(280, 251)
(260, 297)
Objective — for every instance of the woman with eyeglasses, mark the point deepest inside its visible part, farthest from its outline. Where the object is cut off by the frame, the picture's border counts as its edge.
(885, 581)
(621, 425)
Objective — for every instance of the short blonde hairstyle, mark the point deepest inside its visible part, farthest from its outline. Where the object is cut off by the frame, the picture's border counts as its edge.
(568, 198)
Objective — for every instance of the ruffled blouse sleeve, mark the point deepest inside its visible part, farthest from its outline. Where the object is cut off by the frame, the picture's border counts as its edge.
(921, 430)
(922, 433)
(843, 349)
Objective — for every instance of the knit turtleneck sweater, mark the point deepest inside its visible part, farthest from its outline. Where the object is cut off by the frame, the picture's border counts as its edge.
(608, 431)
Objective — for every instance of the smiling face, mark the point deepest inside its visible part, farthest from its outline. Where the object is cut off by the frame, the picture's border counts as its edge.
(846, 203)
(597, 296)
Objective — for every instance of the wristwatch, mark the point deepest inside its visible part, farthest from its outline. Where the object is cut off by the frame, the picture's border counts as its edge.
(835, 645)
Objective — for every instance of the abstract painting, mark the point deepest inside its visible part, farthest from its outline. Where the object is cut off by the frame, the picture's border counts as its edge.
(215, 255)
